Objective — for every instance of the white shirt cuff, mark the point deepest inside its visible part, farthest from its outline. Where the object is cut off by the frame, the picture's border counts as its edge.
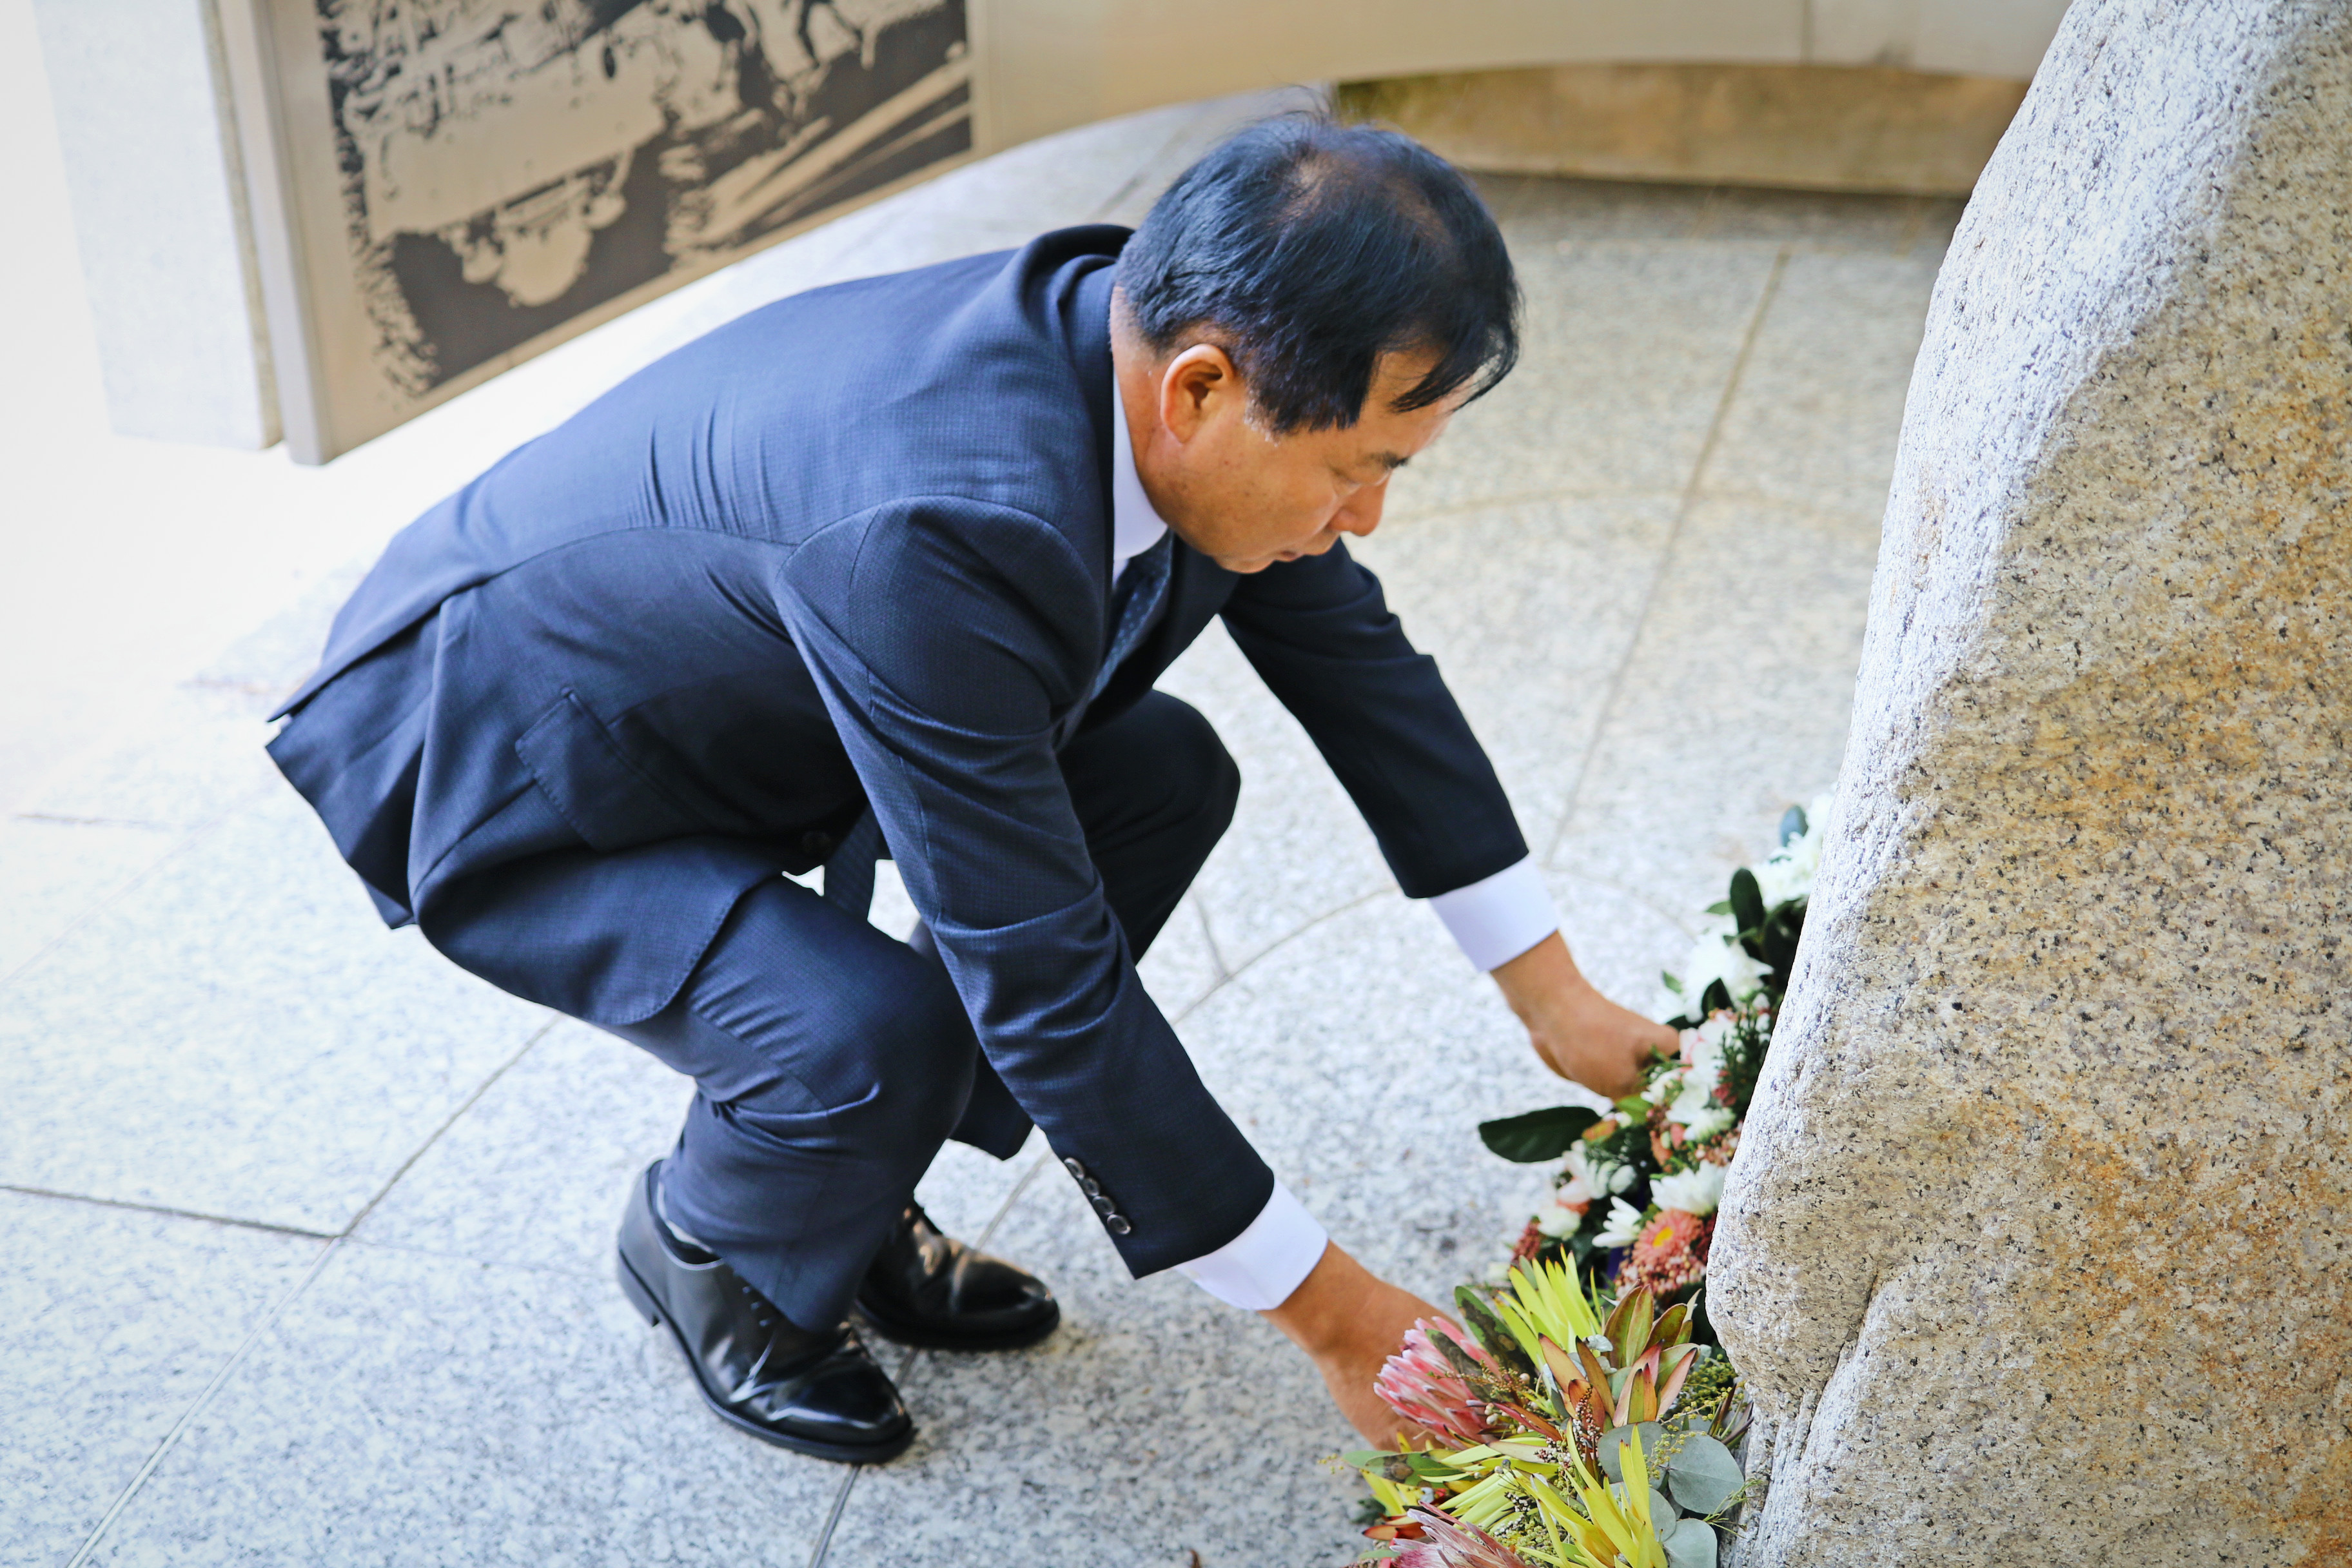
(1261, 1266)
(1495, 920)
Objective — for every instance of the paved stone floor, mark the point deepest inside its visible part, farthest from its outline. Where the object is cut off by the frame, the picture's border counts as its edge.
(308, 1232)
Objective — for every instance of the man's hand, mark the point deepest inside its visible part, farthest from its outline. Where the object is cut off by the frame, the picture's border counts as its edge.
(1580, 1033)
(1349, 1321)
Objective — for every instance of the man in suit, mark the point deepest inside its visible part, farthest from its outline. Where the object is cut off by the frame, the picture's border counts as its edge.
(890, 568)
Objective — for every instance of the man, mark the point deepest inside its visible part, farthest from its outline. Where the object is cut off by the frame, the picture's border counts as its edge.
(891, 567)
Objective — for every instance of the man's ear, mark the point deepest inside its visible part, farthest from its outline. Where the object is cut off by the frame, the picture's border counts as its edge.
(1197, 386)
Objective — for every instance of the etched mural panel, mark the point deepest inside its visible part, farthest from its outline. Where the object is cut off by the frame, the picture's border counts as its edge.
(505, 171)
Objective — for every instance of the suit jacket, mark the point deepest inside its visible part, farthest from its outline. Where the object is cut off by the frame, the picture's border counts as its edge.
(850, 551)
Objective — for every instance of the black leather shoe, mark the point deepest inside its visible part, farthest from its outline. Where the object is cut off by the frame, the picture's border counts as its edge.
(931, 1290)
(814, 1391)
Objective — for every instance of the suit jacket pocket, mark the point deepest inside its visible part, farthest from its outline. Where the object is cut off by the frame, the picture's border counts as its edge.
(607, 799)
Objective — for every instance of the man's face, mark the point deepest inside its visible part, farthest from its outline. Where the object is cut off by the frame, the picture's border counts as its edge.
(1247, 499)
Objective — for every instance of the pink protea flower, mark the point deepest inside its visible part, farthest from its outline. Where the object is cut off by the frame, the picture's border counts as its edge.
(1420, 1385)
(1448, 1543)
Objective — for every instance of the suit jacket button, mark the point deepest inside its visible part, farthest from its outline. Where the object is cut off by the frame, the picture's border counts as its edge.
(1116, 1223)
(1075, 1169)
(1102, 1206)
(817, 843)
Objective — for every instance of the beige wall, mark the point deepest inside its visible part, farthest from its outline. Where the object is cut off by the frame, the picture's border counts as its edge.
(1047, 64)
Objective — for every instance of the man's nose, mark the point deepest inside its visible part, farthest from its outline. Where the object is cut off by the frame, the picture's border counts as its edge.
(1362, 515)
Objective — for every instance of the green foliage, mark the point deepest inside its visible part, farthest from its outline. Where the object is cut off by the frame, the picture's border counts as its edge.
(1690, 1544)
(1538, 1135)
(1704, 1476)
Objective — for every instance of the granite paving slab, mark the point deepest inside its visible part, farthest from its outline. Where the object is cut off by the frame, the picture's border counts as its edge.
(112, 1322)
(1536, 210)
(1625, 351)
(58, 873)
(190, 754)
(239, 1036)
(1734, 703)
(1819, 404)
(1297, 849)
(1527, 610)
(409, 1409)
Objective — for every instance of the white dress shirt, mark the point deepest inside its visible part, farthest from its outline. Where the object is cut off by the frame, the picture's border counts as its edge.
(1493, 921)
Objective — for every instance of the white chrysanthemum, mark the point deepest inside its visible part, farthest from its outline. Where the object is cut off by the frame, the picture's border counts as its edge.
(1693, 1192)
(1696, 1099)
(1624, 1225)
(1705, 1052)
(1714, 1118)
(1559, 1220)
(1716, 956)
(1601, 1181)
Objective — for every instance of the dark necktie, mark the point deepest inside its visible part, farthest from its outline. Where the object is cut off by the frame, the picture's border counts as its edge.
(1136, 599)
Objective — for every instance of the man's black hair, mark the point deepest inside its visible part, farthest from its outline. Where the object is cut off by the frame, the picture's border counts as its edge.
(1307, 249)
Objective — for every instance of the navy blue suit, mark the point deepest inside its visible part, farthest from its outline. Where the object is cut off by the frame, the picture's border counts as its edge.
(851, 551)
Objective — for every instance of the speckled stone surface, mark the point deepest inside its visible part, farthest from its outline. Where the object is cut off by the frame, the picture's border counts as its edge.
(2039, 1247)
(238, 1036)
(111, 1324)
(409, 1409)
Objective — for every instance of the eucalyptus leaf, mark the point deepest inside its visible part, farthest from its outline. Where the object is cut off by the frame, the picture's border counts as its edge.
(1715, 999)
(1663, 1512)
(1538, 1135)
(1690, 1544)
(1704, 1475)
(1611, 1442)
(1792, 824)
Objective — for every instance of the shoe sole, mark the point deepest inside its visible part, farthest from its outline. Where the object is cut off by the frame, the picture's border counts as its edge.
(920, 1339)
(650, 1308)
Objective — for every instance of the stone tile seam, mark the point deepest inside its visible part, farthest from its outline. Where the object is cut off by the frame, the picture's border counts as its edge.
(1224, 971)
(907, 1362)
(188, 841)
(269, 1319)
(452, 1120)
(164, 1210)
(1274, 946)
(1692, 491)
(196, 1406)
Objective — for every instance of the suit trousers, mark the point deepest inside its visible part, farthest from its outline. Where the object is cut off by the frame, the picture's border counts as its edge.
(831, 1061)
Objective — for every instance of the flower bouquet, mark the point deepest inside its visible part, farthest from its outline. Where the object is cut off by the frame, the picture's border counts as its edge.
(1635, 1196)
(1586, 1418)
(1564, 1432)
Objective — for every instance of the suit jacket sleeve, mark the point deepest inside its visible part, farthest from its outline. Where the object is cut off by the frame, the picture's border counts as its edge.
(941, 637)
(1321, 637)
